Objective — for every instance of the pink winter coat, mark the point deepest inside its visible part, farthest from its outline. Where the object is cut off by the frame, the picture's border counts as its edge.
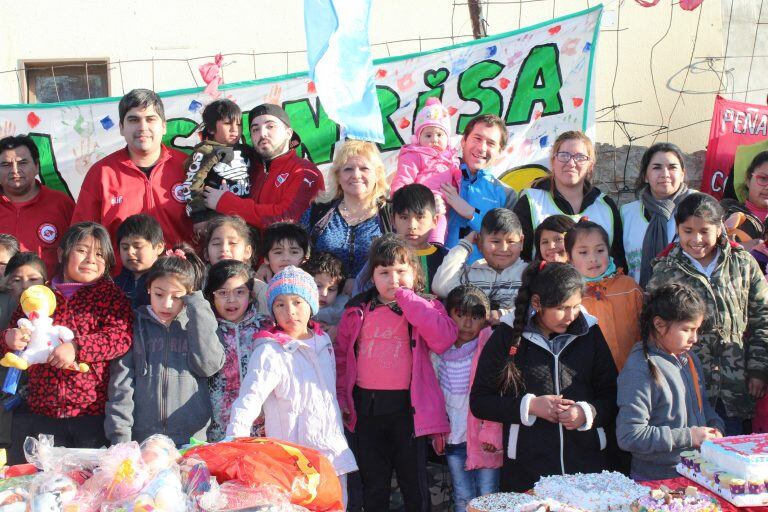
(428, 166)
(432, 330)
(482, 431)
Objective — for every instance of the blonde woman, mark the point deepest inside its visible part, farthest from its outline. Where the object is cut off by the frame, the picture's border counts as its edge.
(353, 211)
(568, 191)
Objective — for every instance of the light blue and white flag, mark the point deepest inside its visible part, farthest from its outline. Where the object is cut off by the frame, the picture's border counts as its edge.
(340, 64)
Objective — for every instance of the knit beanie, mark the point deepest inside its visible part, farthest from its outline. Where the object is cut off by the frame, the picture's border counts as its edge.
(433, 114)
(294, 281)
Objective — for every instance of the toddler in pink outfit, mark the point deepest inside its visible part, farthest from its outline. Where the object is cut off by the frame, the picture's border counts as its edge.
(430, 159)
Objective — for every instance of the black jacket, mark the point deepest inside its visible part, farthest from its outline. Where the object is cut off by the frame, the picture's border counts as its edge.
(582, 371)
(523, 211)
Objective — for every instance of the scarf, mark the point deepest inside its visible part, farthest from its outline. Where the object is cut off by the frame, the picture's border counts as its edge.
(760, 213)
(656, 236)
(608, 273)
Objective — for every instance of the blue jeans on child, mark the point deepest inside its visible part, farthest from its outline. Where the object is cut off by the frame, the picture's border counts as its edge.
(468, 484)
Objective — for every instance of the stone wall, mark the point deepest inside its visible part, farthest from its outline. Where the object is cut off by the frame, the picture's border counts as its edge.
(611, 177)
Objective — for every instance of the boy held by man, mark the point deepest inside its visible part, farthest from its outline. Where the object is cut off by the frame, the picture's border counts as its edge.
(284, 244)
(140, 241)
(328, 273)
(414, 217)
(498, 273)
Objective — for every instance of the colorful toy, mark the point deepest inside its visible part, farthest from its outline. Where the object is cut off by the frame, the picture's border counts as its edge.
(122, 471)
(38, 303)
(158, 454)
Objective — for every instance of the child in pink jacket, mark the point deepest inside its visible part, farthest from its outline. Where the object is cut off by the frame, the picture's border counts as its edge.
(473, 448)
(430, 159)
(386, 386)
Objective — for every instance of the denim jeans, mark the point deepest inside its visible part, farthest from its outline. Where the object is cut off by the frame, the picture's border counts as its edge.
(468, 484)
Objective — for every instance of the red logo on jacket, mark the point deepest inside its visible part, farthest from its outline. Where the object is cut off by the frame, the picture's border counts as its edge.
(281, 178)
(47, 232)
(179, 192)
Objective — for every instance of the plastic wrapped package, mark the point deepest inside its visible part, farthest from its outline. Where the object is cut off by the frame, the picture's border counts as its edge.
(121, 473)
(158, 454)
(13, 499)
(162, 494)
(304, 473)
(235, 495)
(46, 457)
(51, 491)
(195, 477)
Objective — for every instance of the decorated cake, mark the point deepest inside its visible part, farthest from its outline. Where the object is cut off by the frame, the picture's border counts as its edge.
(745, 457)
(513, 502)
(735, 468)
(664, 499)
(597, 492)
(500, 502)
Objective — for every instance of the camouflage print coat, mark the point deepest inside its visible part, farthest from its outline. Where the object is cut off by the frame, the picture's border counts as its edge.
(733, 342)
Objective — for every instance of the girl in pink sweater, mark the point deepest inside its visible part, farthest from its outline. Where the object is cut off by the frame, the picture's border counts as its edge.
(386, 386)
(430, 159)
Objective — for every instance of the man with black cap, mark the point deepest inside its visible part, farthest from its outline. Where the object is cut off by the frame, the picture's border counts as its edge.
(282, 183)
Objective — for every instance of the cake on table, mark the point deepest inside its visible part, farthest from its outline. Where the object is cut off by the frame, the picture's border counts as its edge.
(597, 492)
(734, 467)
(664, 499)
(500, 501)
(514, 502)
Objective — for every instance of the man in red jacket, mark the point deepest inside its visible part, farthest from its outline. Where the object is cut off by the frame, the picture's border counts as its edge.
(143, 177)
(282, 183)
(35, 214)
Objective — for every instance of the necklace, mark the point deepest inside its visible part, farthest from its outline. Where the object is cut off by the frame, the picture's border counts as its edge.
(354, 218)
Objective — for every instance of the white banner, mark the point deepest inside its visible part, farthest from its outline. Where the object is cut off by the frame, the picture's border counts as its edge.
(538, 79)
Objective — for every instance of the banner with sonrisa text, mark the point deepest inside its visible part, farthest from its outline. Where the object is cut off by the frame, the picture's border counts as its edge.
(538, 79)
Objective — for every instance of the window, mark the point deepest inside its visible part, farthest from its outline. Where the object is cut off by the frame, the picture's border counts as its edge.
(63, 80)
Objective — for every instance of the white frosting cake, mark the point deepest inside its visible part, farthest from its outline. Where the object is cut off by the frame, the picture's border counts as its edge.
(597, 492)
(500, 502)
(743, 456)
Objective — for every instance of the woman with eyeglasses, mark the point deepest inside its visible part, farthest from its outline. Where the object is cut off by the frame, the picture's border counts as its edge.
(649, 222)
(568, 191)
(746, 221)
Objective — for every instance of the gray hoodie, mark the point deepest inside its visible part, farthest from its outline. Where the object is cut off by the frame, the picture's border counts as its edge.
(167, 370)
(655, 417)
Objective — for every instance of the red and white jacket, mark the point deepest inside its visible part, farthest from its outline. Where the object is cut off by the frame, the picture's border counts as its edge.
(281, 190)
(115, 188)
(38, 223)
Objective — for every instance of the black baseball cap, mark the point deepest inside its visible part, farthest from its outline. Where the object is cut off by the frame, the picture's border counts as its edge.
(270, 109)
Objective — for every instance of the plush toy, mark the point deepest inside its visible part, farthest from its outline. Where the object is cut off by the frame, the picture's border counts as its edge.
(38, 303)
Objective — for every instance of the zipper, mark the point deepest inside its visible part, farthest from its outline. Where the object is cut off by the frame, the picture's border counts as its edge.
(559, 425)
(718, 324)
(239, 358)
(164, 399)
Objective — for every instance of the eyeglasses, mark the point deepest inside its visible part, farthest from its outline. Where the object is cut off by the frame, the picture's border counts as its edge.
(238, 293)
(564, 157)
(761, 179)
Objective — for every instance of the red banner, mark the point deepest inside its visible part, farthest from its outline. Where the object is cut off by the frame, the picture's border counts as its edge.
(733, 124)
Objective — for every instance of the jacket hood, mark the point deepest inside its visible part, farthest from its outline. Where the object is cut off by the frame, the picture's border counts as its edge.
(674, 249)
(276, 334)
(579, 327)
(655, 350)
(252, 317)
(448, 153)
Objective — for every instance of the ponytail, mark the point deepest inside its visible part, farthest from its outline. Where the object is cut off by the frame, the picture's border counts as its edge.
(182, 263)
(672, 302)
(553, 283)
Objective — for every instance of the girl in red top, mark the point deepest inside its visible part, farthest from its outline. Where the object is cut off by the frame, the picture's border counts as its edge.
(68, 404)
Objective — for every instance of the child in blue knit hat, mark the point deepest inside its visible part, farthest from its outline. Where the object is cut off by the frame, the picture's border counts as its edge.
(292, 376)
